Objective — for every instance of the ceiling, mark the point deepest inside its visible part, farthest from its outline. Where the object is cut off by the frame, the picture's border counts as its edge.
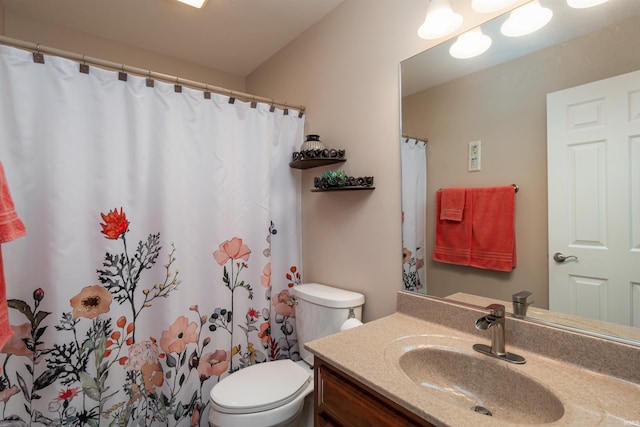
(234, 36)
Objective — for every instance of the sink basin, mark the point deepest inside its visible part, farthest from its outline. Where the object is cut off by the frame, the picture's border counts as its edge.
(472, 381)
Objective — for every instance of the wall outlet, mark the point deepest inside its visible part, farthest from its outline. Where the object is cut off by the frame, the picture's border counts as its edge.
(474, 156)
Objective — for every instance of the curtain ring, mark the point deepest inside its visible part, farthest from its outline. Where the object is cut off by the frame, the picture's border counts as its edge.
(38, 57)
(232, 99)
(149, 80)
(122, 75)
(84, 68)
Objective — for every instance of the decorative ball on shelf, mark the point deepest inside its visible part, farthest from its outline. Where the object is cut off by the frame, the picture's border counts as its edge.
(312, 143)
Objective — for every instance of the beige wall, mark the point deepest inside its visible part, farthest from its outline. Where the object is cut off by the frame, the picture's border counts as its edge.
(20, 27)
(512, 127)
(345, 71)
(1, 19)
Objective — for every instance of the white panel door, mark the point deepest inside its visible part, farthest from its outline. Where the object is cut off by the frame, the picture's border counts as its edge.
(593, 162)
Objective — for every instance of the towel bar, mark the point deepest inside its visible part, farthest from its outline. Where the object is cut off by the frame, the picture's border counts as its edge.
(513, 185)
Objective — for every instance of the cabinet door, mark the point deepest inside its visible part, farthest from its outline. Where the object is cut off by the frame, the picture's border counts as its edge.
(343, 402)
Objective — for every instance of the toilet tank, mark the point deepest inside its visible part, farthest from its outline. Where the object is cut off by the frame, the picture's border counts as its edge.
(321, 310)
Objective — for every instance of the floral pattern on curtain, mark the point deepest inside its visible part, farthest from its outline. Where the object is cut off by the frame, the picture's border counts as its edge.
(414, 205)
(163, 236)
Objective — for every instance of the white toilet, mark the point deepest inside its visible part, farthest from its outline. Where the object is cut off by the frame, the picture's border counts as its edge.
(279, 393)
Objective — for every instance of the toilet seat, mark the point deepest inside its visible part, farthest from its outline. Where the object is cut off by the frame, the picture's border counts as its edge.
(239, 393)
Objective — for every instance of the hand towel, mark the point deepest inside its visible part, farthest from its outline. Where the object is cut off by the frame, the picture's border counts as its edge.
(493, 243)
(453, 238)
(452, 204)
(11, 227)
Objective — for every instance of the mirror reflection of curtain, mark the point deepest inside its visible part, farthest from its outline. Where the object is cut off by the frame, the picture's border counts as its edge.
(414, 205)
(163, 237)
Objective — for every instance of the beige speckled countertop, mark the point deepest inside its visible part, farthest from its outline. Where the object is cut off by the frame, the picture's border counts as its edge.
(589, 397)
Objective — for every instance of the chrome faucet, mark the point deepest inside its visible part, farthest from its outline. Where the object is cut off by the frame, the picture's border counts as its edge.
(494, 322)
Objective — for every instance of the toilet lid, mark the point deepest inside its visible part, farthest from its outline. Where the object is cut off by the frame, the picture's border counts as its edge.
(260, 387)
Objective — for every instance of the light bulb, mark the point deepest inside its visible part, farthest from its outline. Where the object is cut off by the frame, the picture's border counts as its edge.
(440, 20)
(470, 44)
(583, 4)
(194, 3)
(526, 19)
(488, 6)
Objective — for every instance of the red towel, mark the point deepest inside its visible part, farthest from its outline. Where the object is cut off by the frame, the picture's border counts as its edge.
(452, 204)
(11, 227)
(493, 245)
(453, 238)
(485, 236)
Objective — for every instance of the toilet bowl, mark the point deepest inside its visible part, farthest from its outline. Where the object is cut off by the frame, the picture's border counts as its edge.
(266, 394)
(279, 393)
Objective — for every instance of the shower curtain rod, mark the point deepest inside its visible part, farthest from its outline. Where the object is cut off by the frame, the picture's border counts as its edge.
(83, 59)
(407, 137)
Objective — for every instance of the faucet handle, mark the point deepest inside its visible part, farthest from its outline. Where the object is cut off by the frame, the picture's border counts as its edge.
(496, 310)
(521, 297)
(520, 303)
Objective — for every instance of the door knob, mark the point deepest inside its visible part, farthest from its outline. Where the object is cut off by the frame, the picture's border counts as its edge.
(558, 257)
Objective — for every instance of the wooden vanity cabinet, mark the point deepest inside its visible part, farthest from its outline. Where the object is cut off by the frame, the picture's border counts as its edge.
(341, 401)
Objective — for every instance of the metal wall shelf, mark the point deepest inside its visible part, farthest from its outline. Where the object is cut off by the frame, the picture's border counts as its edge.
(320, 190)
(315, 158)
(314, 163)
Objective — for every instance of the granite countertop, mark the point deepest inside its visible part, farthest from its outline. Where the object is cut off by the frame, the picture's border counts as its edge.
(369, 353)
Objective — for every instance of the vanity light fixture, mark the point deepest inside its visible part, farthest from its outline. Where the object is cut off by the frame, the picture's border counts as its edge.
(440, 20)
(488, 6)
(526, 19)
(470, 44)
(194, 3)
(583, 4)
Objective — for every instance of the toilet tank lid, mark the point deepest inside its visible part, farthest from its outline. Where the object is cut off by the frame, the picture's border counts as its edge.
(328, 296)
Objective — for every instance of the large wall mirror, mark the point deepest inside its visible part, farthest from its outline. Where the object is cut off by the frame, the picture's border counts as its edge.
(500, 99)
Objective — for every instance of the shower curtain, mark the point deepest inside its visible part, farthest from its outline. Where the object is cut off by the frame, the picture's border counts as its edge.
(414, 205)
(163, 239)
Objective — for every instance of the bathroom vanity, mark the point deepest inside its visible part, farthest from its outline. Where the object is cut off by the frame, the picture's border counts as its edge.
(418, 367)
(343, 401)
